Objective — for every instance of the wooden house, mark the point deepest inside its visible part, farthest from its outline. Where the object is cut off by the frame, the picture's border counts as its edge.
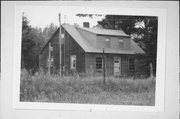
(82, 52)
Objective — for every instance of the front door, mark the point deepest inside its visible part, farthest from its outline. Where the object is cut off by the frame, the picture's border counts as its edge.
(117, 66)
(73, 62)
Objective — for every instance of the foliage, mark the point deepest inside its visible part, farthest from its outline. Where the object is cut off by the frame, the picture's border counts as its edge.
(33, 39)
(27, 44)
(49, 31)
(43, 88)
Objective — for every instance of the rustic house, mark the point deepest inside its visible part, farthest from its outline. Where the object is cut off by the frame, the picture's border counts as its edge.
(82, 51)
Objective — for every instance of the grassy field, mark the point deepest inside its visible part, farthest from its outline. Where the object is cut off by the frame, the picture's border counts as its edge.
(86, 90)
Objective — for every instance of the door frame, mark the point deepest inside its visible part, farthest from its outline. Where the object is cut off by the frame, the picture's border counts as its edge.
(120, 65)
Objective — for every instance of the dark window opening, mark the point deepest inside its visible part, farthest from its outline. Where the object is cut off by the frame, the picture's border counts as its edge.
(99, 62)
(131, 64)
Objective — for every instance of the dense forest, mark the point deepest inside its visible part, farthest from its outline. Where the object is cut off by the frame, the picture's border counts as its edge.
(33, 39)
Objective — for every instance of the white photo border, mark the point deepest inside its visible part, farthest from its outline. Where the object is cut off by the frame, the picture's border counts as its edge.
(160, 74)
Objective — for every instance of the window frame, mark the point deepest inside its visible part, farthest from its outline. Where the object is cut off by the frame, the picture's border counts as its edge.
(108, 42)
(73, 62)
(131, 64)
(98, 64)
(121, 42)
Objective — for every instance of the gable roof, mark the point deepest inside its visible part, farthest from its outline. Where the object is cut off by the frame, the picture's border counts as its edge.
(78, 38)
(76, 35)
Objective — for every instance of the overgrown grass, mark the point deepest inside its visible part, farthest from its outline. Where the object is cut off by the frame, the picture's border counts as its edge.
(42, 88)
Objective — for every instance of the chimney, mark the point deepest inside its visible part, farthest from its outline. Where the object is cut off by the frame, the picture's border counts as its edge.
(86, 24)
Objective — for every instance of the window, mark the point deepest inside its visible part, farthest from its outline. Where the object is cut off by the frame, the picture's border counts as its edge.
(121, 43)
(73, 61)
(52, 61)
(50, 48)
(131, 64)
(99, 62)
(107, 42)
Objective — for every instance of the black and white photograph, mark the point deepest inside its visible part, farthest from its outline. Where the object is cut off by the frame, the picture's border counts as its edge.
(89, 60)
(86, 58)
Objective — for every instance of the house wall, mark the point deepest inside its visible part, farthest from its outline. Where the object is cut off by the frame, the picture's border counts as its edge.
(114, 42)
(44, 55)
(90, 64)
(109, 64)
(73, 48)
(43, 59)
(125, 65)
(55, 53)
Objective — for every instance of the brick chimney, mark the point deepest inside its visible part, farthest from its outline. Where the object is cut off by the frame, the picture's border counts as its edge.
(86, 24)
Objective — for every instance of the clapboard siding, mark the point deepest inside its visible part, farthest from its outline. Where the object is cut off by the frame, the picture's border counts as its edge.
(73, 48)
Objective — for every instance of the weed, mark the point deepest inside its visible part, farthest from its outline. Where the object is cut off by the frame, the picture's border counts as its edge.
(43, 88)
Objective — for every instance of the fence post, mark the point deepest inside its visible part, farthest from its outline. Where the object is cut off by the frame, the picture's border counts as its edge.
(49, 60)
(104, 71)
(151, 70)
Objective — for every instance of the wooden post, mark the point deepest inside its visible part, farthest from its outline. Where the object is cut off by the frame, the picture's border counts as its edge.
(49, 60)
(151, 70)
(60, 60)
(104, 71)
(64, 63)
(64, 58)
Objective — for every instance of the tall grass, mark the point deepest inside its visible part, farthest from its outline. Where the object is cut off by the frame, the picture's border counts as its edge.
(44, 88)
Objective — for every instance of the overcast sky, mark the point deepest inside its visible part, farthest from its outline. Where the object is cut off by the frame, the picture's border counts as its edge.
(43, 17)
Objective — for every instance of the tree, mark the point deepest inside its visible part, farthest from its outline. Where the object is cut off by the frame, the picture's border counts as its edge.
(33, 39)
(27, 44)
(49, 31)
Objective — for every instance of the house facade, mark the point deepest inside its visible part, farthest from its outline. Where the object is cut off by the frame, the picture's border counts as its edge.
(89, 50)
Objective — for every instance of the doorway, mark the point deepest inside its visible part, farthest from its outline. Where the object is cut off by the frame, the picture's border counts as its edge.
(117, 66)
